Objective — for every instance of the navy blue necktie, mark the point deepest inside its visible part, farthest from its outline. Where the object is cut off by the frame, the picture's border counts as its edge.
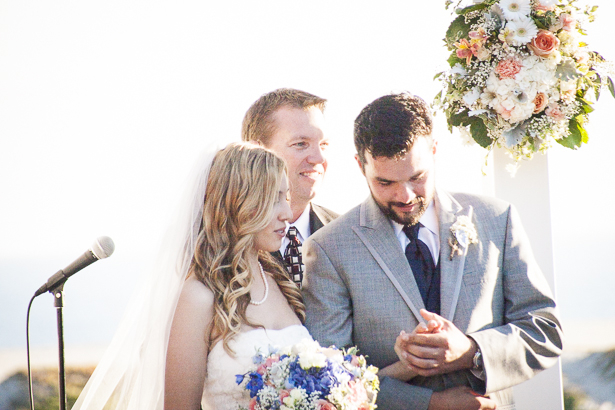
(426, 273)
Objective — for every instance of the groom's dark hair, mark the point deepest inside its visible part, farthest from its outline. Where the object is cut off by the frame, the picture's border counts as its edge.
(388, 126)
(258, 124)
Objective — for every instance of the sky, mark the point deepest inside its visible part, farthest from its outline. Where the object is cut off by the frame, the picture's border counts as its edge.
(105, 106)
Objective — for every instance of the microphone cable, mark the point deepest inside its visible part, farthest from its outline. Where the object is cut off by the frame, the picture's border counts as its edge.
(30, 391)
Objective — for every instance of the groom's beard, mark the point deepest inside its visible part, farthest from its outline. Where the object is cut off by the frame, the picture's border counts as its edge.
(404, 218)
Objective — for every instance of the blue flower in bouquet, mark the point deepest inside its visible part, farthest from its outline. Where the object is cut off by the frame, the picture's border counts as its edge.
(255, 383)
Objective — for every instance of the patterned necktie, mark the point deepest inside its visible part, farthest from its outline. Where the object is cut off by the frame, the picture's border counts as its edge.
(426, 274)
(293, 258)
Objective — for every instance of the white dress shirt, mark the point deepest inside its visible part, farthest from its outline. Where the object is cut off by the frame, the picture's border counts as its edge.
(429, 232)
(303, 229)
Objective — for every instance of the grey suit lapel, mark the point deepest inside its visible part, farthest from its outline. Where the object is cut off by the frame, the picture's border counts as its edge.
(451, 271)
(378, 235)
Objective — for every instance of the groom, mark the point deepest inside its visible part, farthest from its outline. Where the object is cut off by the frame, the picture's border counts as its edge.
(372, 271)
(291, 123)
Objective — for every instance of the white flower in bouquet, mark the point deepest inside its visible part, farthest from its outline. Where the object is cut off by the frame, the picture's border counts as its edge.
(523, 30)
(515, 9)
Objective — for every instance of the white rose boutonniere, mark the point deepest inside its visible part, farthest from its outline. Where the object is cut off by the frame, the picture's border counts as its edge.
(463, 234)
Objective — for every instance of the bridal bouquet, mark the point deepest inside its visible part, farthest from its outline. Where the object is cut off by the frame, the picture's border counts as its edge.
(521, 75)
(307, 376)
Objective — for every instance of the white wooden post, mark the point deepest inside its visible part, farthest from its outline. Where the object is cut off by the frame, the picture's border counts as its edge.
(528, 190)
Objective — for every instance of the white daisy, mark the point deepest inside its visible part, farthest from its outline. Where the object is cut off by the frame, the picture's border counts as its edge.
(515, 9)
(524, 30)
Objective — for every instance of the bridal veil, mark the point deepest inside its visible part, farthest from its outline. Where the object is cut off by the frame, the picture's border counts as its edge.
(130, 374)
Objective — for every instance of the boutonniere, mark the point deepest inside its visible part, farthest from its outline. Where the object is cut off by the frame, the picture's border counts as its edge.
(463, 234)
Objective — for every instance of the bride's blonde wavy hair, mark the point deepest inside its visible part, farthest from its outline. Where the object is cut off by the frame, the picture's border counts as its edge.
(242, 188)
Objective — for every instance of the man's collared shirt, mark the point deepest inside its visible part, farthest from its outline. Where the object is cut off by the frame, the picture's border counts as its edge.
(429, 233)
(303, 229)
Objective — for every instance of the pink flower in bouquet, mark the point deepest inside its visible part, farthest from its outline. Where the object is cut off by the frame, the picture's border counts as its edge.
(541, 7)
(505, 113)
(252, 405)
(508, 68)
(544, 43)
(554, 112)
(582, 57)
(354, 361)
(568, 22)
(357, 394)
(324, 405)
(284, 394)
(271, 360)
(464, 50)
(540, 102)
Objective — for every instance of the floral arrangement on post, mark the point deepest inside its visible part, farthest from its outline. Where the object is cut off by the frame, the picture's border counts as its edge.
(521, 77)
(307, 376)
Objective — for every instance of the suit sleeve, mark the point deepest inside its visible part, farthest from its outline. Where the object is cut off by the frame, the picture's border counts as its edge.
(329, 318)
(327, 300)
(531, 339)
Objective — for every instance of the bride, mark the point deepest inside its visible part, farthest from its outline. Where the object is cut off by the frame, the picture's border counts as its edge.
(236, 297)
(215, 296)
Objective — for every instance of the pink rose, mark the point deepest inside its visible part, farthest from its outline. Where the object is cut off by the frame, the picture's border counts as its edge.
(508, 68)
(252, 404)
(554, 112)
(544, 43)
(284, 394)
(324, 405)
(568, 22)
(540, 102)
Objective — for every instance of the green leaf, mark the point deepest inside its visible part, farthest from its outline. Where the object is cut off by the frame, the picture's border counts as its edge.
(457, 30)
(479, 132)
(459, 119)
(598, 85)
(475, 7)
(611, 86)
(540, 24)
(577, 136)
(453, 59)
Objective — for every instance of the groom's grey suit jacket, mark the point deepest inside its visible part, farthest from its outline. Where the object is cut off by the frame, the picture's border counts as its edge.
(360, 291)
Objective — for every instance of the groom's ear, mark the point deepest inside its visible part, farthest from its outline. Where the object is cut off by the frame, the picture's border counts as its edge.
(356, 157)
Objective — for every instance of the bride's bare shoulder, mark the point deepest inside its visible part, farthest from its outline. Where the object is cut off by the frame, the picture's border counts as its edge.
(194, 293)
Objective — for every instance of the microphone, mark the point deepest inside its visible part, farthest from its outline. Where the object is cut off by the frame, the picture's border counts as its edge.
(103, 247)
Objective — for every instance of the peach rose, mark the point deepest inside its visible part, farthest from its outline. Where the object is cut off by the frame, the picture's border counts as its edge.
(508, 68)
(540, 102)
(544, 43)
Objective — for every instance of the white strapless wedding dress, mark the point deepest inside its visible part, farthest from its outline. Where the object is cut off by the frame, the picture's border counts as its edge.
(221, 392)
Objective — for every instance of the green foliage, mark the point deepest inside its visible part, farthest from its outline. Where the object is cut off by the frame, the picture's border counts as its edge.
(577, 136)
(479, 132)
(457, 30)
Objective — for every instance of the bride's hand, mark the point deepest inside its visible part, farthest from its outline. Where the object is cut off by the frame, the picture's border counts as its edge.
(398, 371)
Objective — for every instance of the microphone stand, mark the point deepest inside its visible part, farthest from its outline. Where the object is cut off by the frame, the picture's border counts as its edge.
(59, 304)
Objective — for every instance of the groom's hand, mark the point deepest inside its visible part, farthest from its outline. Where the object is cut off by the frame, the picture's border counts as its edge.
(432, 353)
